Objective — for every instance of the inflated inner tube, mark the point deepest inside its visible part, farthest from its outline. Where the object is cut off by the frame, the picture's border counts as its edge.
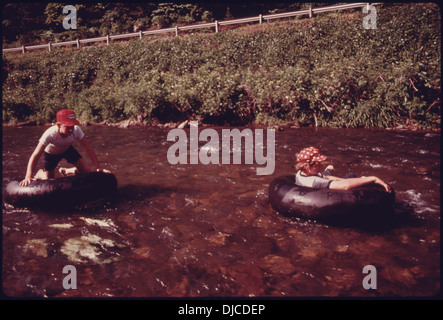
(339, 206)
(65, 192)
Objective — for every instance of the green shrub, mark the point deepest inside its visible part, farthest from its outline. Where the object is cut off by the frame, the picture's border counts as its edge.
(327, 71)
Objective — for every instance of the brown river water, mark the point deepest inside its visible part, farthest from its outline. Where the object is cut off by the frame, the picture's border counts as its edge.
(194, 230)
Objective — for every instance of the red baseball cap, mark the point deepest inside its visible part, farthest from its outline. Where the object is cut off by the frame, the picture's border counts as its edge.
(67, 117)
(309, 155)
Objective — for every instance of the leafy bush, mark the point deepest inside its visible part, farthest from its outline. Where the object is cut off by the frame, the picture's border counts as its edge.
(328, 71)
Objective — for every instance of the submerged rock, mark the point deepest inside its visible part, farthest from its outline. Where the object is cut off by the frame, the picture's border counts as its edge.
(90, 248)
(37, 247)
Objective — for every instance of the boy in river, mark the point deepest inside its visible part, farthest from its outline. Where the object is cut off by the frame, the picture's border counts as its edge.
(56, 144)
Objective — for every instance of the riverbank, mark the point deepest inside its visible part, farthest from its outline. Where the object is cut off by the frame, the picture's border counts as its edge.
(185, 124)
(322, 72)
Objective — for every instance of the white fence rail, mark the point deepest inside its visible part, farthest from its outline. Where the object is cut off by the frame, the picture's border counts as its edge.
(310, 12)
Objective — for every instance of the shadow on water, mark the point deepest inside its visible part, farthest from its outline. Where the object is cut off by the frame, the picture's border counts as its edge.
(60, 208)
(405, 215)
(141, 193)
(402, 215)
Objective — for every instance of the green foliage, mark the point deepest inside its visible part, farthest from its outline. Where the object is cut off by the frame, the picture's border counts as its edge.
(329, 71)
(168, 14)
(28, 23)
(19, 20)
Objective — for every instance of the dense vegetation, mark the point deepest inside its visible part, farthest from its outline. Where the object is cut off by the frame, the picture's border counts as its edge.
(24, 24)
(328, 71)
(28, 23)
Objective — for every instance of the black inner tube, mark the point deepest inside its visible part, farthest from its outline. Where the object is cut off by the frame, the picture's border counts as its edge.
(65, 192)
(340, 206)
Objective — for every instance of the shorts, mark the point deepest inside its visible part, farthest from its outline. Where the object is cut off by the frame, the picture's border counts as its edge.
(50, 161)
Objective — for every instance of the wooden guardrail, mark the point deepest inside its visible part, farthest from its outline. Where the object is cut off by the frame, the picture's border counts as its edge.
(310, 12)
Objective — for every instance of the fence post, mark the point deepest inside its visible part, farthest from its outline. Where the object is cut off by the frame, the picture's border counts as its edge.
(176, 31)
(23, 49)
(310, 12)
(107, 40)
(260, 19)
(216, 26)
(141, 35)
(78, 44)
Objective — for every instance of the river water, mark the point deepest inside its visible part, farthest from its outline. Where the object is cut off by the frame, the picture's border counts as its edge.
(194, 230)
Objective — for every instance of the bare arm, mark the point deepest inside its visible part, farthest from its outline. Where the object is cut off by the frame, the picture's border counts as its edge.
(91, 153)
(334, 178)
(85, 144)
(31, 164)
(346, 184)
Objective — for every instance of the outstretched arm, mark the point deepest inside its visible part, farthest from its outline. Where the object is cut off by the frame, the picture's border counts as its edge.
(31, 164)
(333, 178)
(346, 184)
(91, 153)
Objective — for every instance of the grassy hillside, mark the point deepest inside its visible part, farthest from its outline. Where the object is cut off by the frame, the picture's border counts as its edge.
(328, 71)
